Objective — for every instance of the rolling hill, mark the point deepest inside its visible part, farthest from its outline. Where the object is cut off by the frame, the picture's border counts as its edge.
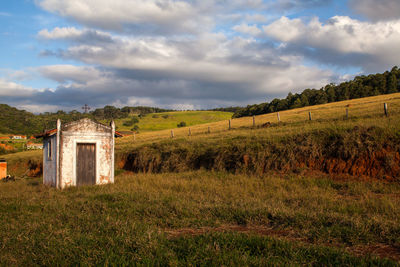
(169, 120)
(293, 192)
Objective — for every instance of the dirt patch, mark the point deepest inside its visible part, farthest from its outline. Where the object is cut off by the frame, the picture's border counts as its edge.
(35, 169)
(378, 250)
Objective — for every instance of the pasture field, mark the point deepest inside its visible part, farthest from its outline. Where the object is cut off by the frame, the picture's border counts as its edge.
(169, 120)
(362, 112)
(367, 143)
(324, 192)
(202, 218)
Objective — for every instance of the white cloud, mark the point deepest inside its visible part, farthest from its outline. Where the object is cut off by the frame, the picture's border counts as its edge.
(342, 36)
(259, 18)
(70, 73)
(75, 35)
(247, 29)
(377, 9)
(218, 60)
(14, 90)
(60, 33)
(34, 108)
(289, 5)
(151, 15)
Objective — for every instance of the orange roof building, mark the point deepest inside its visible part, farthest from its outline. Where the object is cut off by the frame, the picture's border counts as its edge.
(3, 168)
(6, 147)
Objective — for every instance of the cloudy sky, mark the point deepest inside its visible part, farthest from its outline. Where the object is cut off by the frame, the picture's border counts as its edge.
(187, 54)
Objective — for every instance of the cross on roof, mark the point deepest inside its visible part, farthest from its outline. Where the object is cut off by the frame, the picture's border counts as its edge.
(86, 108)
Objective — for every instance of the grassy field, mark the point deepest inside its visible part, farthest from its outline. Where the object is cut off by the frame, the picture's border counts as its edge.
(363, 111)
(365, 143)
(201, 218)
(169, 120)
(229, 211)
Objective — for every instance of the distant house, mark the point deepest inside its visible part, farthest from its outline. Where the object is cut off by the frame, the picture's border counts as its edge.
(78, 153)
(30, 146)
(18, 137)
(6, 147)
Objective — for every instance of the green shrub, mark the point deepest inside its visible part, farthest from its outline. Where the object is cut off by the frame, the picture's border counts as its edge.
(165, 116)
(131, 122)
(135, 128)
(135, 119)
(181, 124)
(128, 123)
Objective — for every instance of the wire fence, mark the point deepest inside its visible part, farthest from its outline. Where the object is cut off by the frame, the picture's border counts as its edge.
(346, 110)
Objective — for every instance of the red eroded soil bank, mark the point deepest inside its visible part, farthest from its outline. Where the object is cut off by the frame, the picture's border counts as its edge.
(357, 152)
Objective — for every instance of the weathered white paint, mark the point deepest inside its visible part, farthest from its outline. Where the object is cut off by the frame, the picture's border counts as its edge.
(50, 163)
(58, 153)
(69, 136)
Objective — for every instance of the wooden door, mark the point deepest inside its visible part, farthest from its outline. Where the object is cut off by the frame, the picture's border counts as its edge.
(85, 164)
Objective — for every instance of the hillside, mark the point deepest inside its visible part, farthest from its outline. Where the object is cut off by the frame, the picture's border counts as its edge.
(15, 121)
(361, 86)
(364, 144)
(170, 120)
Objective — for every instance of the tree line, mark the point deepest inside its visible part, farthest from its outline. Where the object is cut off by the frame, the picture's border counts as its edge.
(15, 121)
(361, 86)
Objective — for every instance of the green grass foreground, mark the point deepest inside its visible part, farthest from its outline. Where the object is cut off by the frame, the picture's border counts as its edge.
(201, 218)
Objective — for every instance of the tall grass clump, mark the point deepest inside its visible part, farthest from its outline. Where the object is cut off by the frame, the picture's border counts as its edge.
(370, 151)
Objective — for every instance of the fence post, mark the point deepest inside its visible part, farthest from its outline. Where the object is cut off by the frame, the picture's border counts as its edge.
(347, 113)
(134, 136)
(229, 125)
(309, 115)
(279, 118)
(190, 132)
(208, 129)
(254, 121)
(385, 107)
(172, 133)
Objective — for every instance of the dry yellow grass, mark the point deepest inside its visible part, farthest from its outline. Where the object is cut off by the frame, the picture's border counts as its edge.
(368, 110)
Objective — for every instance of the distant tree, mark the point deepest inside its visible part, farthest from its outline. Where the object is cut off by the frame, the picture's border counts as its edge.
(127, 123)
(135, 119)
(181, 124)
(392, 84)
(320, 97)
(330, 92)
(296, 104)
(135, 128)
